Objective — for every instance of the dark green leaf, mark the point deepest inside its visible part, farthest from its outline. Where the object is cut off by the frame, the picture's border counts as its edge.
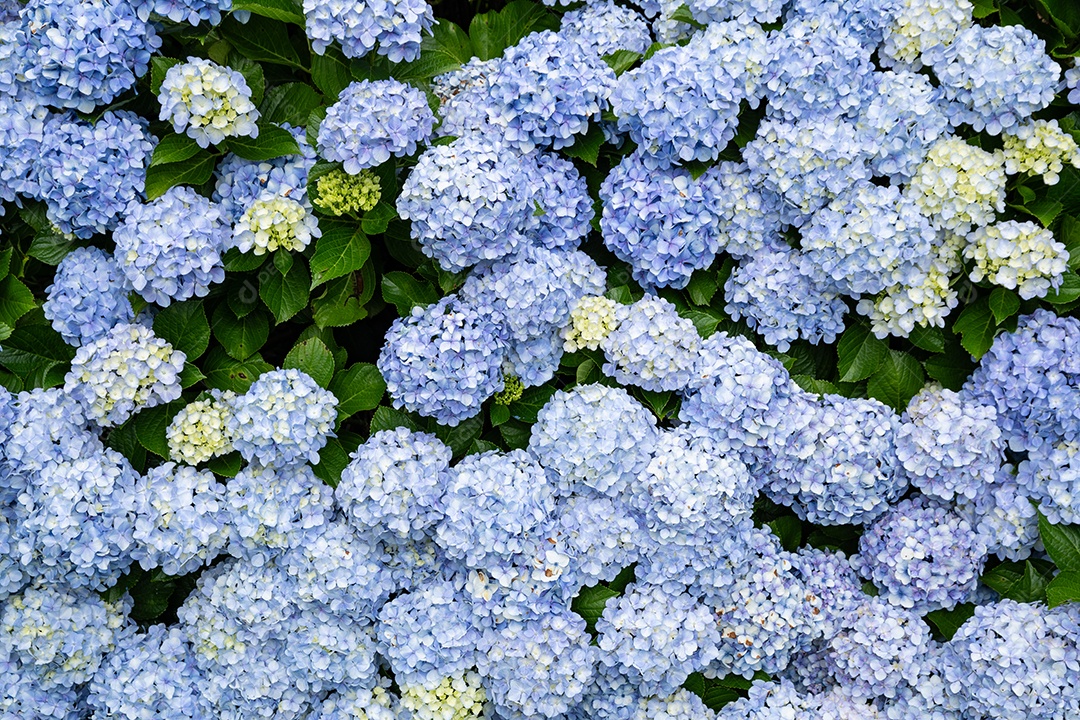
(1069, 290)
(330, 72)
(236, 261)
(283, 261)
(37, 354)
(150, 598)
(587, 147)
(482, 446)
(333, 459)
(184, 325)
(314, 358)
(338, 304)
(174, 148)
(1064, 588)
(358, 388)
(976, 327)
(950, 369)
(447, 48)
(190, 375)
(531, 402)
(123, 440)
(314, 120)
(685, 15)
(284, 10)
(984, 8)
(225, 465)
(460, 437)
(948, 622)
(499, 414)
(929, 338)
(377, 219)
(405, 292)
(812, 384)
(49, 248)
(622, 60)
(15, 300)
(1065, 14)
(150, 426)
(158, 67)
(702, 287)
(859, 353)
(789, 529)
(590, 603)
(492, 32)
(272, 142)
(194, 171)
(226, 373)
(263, 40)
(1016, 581)
(1069, 234)
(1062, 542)
(705, 321)
(241, 337)
(388, 418)
(515, 434)
(1004, 303)
(1046, 211)
(289, 103)
(286, 295)
(898, 379)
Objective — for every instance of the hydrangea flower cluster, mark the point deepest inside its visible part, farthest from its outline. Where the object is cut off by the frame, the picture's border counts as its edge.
(1040, 147)
(394, 27)
(922, 29)
(241, 182)
(341, 193)
(170, 249)
(207, 101)
(88, 296)
(274, 222)
(200, 430)
(958, 184)
(373, 120)
(606, 27)
(1020, 256)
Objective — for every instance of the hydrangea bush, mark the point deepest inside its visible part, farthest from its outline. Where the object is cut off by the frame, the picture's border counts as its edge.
(518, 360)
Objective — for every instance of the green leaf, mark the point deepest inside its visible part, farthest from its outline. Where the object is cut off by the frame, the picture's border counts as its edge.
(859, 353)
(272, 142)
(174, 148)
(515, 434)
(447, 48)
(789, 529)
(330, 72)
(1064, 588)
(15, 300)
(5, 331)
(314, 358)
(226, 373)
(194, 171)
(388, 418)
(123, 440)
(150, 426)
(150, 597)
(976, 326)
(236, 261)
(1044, 210)
(621, 60)
(948, 622)
(929, 338)
(341, 249)
(492, 32)
(333, 459)
(1065, 14)
(1062, 543)
(240, 337)
(1016, 581)
(283, 261)
(1067, 292)
(705, 321)
(227, 465)
(158, 67)
(1004, 303)
(184, 325)
(532, 400)
(898, 379)
(377, 219)
(1069, 234)
(190, 375)
(38, 355)
(590, 603)
(338, 305)
(286, 295)
(984, 8)
(405, 292)
(50, 248)
(460, 437)
(263, 40)
(314, 120)
(289, 103)
(498, 415)
(587, 147)
(810, 383)
(702, 287)
(482, 446)
(950, 369)
(684, 14)
(284, 10)
(358, 388)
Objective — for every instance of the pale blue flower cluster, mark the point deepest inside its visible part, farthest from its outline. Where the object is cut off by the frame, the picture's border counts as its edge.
(88, 296)
(372, 121)
(179, 11)
(606, 27)
(879, 649)
(241, 182)
(395, 27)
(651, 347)
(170, 249)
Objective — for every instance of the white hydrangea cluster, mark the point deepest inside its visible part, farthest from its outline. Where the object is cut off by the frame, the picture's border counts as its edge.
(273, 221)
(200, 430)
(127, 369)
(922, 29)
(458, 697)
(592, 319)
(1040, 147)
(959, 184)
(208, 101)
(1020, 256)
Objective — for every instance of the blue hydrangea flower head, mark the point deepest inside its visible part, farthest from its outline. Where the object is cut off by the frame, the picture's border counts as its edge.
(190, 11)
(922, 555)
(606, 27)
(22, 127)
(994, 77)
(948, 444)
(127, 369)
(652, 347)
(545, 91)
(829, 576)
(394, 483)
(573, 439)
(1072, 82)
(662, 222)
(865, 19)
(90, 174)
(443, 361)
(600, 535)
(179, 519)
(25, 698)
(879, 649)
(170, 249)
(396, 27)
(80, 55)
(1004, 517)
(468, 201)
(88, 296)
(750, 217)
(283, 418)
(563, 210)
(711, 13)
(1051, 476)
(491, 505)
(372, 121)
(241, 182)
(781, 301)
(45, 425)
(1040, 147)
(208, 101)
